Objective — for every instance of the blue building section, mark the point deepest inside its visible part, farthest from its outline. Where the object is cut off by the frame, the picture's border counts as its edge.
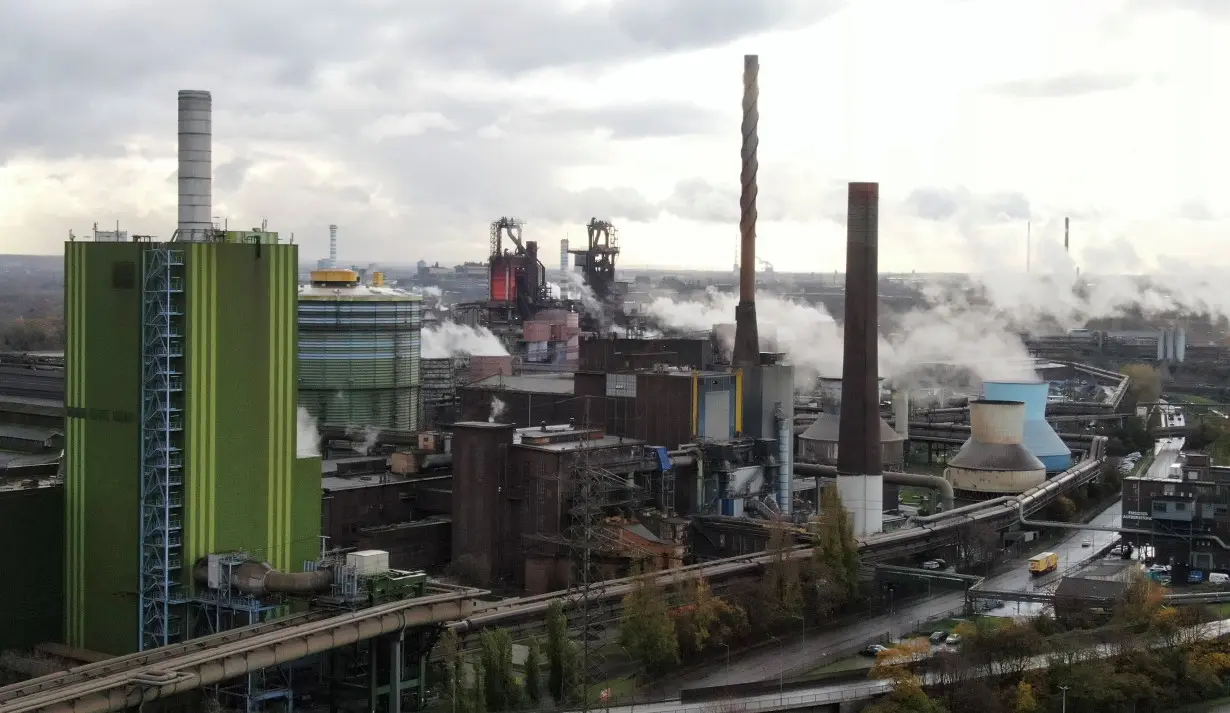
(1039, 439)
(663, 456)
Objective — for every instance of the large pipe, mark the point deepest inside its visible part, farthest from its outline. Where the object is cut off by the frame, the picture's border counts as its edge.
(916, 480)
(859, 451)
(259, 578)
(785, 479)
(747, 338)
(195, 165)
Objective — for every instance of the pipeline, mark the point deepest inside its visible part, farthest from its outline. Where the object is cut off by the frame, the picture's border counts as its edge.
(917, 480)
(259, 578)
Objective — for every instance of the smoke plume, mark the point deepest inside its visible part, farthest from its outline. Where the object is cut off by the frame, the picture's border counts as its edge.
(307, 440)
(368, 435)
(450, 339)
(497, 410)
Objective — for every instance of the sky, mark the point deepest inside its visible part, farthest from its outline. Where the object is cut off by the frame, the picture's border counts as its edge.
(412, 124)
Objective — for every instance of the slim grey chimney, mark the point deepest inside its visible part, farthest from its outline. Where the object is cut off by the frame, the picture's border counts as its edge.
(195, 165)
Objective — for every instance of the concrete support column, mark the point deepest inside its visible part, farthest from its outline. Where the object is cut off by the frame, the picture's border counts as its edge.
(395, 667)
(373, 691)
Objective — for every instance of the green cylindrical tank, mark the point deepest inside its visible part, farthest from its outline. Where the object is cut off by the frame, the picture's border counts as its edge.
(359, 349)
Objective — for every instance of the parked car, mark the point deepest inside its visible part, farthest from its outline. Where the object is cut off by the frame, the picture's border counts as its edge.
(873, 650)
(1086, 543)
(932, 564)
(953, 639)
(939, 637)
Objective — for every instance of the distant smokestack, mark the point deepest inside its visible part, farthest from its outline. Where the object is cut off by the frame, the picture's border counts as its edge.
(747, 339)
(332, 246)
(1065, 235)
(859, 463)
(195, 165)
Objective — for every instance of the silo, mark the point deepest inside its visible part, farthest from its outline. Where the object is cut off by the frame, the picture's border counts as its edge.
(1039, 438)
(359, 352)
(993, 461)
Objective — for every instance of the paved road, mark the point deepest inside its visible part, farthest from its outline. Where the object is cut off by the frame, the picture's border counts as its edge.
(769, 661)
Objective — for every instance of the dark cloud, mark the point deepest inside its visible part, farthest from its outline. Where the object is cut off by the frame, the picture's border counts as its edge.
(782, 195)
(1064, 86)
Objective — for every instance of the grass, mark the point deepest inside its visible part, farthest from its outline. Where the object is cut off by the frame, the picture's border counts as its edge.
(621, 688)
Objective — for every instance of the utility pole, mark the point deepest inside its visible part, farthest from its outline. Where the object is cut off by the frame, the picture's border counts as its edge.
(1065, 698)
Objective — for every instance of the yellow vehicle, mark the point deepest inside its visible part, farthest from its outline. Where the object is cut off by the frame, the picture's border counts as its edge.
(1043, 563)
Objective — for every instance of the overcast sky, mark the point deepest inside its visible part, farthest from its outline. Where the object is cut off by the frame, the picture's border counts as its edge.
(414, 123)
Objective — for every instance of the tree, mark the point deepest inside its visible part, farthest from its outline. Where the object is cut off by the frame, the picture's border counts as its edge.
(705, 620)
(563, 679)
(533, 672)
(1144, 385)
(1025, 700)
(907, 696)
(500, 688)
(646, 629)
(1141, 602)
(781, 592)
(835, 559)
(450, 655)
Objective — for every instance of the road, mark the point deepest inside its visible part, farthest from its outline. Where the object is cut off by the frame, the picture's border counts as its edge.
(768, 662)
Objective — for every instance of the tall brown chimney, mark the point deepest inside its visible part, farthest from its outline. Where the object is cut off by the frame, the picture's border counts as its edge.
(747, 338)
(858, 446)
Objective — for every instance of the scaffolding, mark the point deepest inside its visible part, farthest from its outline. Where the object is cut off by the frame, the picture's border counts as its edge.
(162, 480)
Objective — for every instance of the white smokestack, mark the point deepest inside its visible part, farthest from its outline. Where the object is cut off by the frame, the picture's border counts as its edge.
(332, 246)
(195, 164)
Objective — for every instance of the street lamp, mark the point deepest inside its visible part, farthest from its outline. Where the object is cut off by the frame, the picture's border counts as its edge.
(1064, 709)
(781, 671)
(803, 623)
(727, 647)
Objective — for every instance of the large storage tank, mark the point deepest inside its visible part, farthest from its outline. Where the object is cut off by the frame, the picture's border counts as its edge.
(1039, 437)
(993, 461)
(359, 352)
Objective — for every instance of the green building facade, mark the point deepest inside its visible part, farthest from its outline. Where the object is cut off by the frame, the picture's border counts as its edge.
(180, 399)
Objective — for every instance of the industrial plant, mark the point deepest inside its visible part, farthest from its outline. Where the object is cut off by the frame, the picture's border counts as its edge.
(268, 486)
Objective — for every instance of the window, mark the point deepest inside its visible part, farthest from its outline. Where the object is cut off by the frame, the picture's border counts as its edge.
(1159, 506)
(1180, 507)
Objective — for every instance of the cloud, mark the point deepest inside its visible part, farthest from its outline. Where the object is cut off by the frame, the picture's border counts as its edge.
(785, 193)
(1064, 86)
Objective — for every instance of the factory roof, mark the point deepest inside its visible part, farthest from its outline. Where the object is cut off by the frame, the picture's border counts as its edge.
(32, 483)
(34, 434)
(566, 438)
(359, 293)
(330, 482)
(546, 384)
(827, 425)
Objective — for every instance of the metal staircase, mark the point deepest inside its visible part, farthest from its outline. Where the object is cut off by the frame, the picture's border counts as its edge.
(162, 435)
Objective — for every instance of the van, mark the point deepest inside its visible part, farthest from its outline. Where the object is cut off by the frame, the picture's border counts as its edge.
(1219, 578)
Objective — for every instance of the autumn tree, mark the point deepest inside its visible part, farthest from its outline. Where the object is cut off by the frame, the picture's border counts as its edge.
(835, 558)
(646, 629)
(1141, 601)
(1144, 385)
(563, 677)
(781, 592)
(907, 696)
(533, 672)
(706, 620)
(1025, 702)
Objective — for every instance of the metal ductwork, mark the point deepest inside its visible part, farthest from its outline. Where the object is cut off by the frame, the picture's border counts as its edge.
(195, 165)
(859, 461)
(747, 338)
(260, 578)
(915, 480)
(994, 461)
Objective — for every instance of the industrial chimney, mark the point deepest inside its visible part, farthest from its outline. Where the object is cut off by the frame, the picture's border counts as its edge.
(1065, 235)
(859, 466)
(747, 338)
(195, 165)
(332, 246)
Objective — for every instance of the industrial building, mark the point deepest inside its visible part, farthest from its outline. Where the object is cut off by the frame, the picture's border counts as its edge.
(180, 411)
(359, 352)
(1182, 512)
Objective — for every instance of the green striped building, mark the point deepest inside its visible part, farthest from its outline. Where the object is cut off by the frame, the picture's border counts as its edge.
(181, 429)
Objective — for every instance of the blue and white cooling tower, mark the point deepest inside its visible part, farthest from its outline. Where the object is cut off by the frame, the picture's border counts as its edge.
(1039, 438)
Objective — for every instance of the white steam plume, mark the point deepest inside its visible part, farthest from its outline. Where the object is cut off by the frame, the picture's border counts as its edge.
(813, 340)
(497, 409)
(575, 288)
(451, 339)
(307, 438)
(369, 434)
(432, 291)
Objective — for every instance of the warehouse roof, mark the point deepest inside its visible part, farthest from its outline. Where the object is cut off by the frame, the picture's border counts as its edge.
(527, 384)
(34, 434)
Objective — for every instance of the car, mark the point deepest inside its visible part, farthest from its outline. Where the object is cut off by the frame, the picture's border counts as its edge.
(939, 637)
(1086, 543)
(953, 639)
(873, 650)
(932, 564)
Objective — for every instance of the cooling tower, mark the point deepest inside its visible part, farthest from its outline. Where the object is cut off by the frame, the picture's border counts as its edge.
(1039, 438)
(993, 461)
